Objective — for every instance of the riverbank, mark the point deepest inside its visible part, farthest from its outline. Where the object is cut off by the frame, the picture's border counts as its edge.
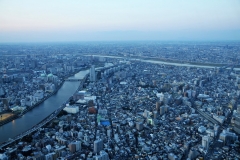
(42, 100)
(18, 115)
(9, 119)
(44, 121)
(177, 61)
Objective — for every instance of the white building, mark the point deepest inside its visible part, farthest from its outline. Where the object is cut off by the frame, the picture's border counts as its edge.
(18, 108)
(71, 109)
(88, 98)
(160, 96)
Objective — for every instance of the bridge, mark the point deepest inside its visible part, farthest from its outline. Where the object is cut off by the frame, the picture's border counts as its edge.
(73, 79)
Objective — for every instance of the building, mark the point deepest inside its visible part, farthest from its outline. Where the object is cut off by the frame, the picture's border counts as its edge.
(3, 156)
(72, 147)
(5, 103)
(139, 126)
(237, 121)
(103, 156)
(49, 87)
(228, 137)
(92, 74)
(205, 142)
(160, 96)
(39, 157)
(163, 109)
(71, 109)
(171, 156)
(78, 145)
(50, 156)
(158, 106)
(146, 113)
(39, 94)
(98, 146)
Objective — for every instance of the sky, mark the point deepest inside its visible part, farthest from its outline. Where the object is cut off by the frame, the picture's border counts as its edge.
(119, 20)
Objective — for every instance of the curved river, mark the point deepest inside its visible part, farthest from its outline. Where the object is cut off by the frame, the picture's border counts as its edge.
(40, 112)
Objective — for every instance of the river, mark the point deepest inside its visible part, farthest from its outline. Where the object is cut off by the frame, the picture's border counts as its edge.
(40, 112)
(161, 62)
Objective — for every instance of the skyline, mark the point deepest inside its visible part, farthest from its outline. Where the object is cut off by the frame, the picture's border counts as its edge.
(58, 21)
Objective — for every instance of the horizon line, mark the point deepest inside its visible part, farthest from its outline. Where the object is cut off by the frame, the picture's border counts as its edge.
(99, 41)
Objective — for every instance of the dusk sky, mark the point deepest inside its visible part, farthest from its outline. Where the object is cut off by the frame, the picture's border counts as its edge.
(117, 20)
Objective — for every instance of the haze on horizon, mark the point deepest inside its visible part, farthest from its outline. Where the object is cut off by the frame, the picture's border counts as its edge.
(108, 20)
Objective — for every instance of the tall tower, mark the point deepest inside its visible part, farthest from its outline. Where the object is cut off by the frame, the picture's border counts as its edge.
(92, 74)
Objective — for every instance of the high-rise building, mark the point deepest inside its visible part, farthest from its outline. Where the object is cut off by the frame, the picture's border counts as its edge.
(109, 132)
(157, 106)
(98, 146)
(1, 91)
(86, 138)
(78, 145)
(155, 114)
(139, 126)
(162, 110)
(146, 113)
(237, 121)
(72, 147)
(205, 142)
(92, 74)
(5, 103)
